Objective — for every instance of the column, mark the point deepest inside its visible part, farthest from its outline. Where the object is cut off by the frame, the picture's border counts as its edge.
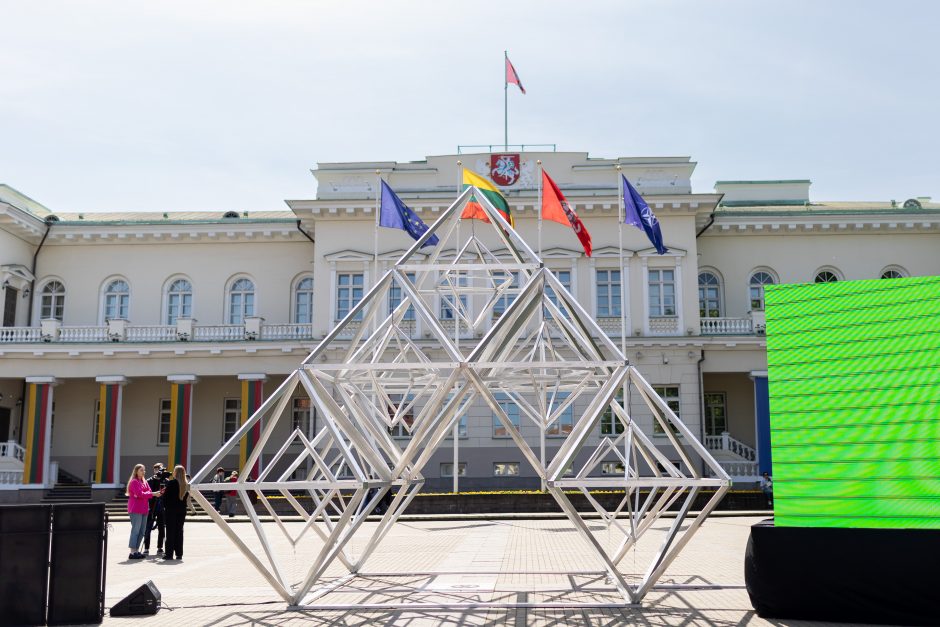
(181, 411)
(252, 397)
(762, 421)
(38, 430)
(110, 402)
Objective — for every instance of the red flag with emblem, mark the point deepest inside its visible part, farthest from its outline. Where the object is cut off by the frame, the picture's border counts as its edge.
(555, 207)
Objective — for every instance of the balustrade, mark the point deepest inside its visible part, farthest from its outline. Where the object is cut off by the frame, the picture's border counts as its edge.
(219, 333)
(83, 334)
(726, 326)
(12, 450)
(286, 331)
(152, 333)
(11, 478)
(16, 335)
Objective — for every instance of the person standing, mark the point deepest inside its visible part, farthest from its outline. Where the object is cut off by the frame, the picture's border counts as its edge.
(219, 494)
(155, 519)
(138, 494)
(767, 487)
(231, 503)
(175, 502)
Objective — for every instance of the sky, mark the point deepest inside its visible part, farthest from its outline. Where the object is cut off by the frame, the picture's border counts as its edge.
(180, 106)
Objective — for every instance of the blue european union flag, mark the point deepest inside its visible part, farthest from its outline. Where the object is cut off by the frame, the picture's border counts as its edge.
(639, 214)
(395, 214)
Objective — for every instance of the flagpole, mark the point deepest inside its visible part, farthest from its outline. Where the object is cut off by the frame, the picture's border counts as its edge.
(505, 102)
(375, 260)
(538, 207)
(623, 295)
(456, 431)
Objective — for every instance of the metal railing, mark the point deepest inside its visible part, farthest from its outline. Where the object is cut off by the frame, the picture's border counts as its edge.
(506, 147)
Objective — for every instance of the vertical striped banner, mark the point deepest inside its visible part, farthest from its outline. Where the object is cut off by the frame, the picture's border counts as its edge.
(181, 408)
(252, 396)
(38, 432)
(109, 433)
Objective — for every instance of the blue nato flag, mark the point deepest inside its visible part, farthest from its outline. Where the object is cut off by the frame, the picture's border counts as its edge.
(395, 214)
(639, 214)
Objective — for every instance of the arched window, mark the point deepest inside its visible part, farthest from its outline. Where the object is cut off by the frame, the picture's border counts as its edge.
(241, 301)
(709, 295)
(303, 301)
(179, 301)
(756, 288)
(893, 273)
(825, 276)
(117, 298)
(52, 302)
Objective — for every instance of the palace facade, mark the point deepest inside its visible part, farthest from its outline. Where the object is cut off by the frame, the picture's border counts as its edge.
(142, 337)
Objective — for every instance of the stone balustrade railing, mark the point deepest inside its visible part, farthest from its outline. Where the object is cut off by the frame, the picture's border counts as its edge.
(727, 326)
(12, 450)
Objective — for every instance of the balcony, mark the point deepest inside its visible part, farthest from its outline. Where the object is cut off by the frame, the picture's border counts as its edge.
(128, 333)
(727, 326)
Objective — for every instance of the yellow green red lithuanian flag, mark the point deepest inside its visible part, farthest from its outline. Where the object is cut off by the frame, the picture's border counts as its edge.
(473, 210)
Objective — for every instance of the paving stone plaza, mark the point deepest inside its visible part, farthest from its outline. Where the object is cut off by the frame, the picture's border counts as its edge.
(510, 560)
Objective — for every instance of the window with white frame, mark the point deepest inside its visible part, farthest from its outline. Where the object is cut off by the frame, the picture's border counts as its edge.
(163, 423)
(716, 421)
(447, 299)
(461, 429)
(302, 416)
(505, 469)
(756, 288)
(401, 429)
(610, 423)
(52, 301)
(241, 301)
(670, 394)
(179, 301)
(662, 292)
(231, 417)
(303, 301)
(893, 273)
(395, 297)
(447, 469)
(564, 277)
(511, 410)
(565, 422)
(608, 293)
(95, 425)
(825, 276)
(349, 291)
(509, 295)
(709, 295)
(117, 298)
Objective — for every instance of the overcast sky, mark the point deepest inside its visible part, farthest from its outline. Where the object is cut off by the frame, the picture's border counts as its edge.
(131, 105)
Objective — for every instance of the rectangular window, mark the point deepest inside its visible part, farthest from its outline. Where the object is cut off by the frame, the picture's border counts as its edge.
(231, 417)
(94, 427)
(715, 421)
(670, 394)
(507, 297)
(506, 469)
(610, 423)
(403, 428)
(608, 293)
(349, 291)
(564, 277)
(447, 300)
(447, 469)
(179, 306)
(302, 414)
(303, 307)
(163, 424)
(565, 422)
(395, 298)
(512, 410)
(612, 468)
(662, 287)
(461, 429)
(116, 306)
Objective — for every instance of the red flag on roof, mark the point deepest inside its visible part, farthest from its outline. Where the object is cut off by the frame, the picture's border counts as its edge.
(555, 207)
(512, 76)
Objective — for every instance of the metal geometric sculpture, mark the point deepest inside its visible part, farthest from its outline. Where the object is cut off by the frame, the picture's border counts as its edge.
(543, 352)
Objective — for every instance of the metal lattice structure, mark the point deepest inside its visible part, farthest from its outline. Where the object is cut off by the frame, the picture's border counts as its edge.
(543, 352)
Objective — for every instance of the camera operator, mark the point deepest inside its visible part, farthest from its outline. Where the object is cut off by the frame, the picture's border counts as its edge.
(156, 519)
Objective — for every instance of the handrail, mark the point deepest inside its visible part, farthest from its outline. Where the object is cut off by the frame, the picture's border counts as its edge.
(505, 147)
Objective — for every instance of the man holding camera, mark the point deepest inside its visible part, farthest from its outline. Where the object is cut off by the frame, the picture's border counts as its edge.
(156, 518)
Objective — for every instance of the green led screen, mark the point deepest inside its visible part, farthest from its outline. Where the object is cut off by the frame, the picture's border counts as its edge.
(853, 372)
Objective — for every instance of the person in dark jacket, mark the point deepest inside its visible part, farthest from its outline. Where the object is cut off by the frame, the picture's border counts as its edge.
(175, 504)
(155, 519)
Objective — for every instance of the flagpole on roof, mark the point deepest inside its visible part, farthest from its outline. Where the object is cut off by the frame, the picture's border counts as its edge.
(625, 392)
(539, 204)
(456, 431)
(375, 237)
(505, 102)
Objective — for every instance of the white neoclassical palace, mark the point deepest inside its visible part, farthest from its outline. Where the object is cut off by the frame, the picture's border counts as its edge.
(140, 337)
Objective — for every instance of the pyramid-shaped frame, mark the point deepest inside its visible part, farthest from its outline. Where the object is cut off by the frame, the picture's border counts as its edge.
(542, 350)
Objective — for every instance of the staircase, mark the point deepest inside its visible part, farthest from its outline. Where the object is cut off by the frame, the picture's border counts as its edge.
(117, 510)
(736, 458)
(68, 493)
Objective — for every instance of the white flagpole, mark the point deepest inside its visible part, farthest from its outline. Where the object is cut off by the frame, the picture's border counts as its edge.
(621, 211)
(375, 242)
(456, 433)
(538, 206)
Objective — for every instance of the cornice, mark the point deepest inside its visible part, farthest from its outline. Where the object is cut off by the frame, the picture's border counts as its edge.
(77, 234)
(826, 224)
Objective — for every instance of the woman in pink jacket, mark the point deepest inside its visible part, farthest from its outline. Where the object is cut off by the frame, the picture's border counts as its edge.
(138, 493)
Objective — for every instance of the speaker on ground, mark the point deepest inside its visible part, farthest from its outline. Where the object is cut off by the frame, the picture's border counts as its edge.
(143, 601)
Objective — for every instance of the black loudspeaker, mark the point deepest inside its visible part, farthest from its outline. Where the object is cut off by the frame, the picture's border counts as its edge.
(24, 566)
(76, 573)
(143, 601)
